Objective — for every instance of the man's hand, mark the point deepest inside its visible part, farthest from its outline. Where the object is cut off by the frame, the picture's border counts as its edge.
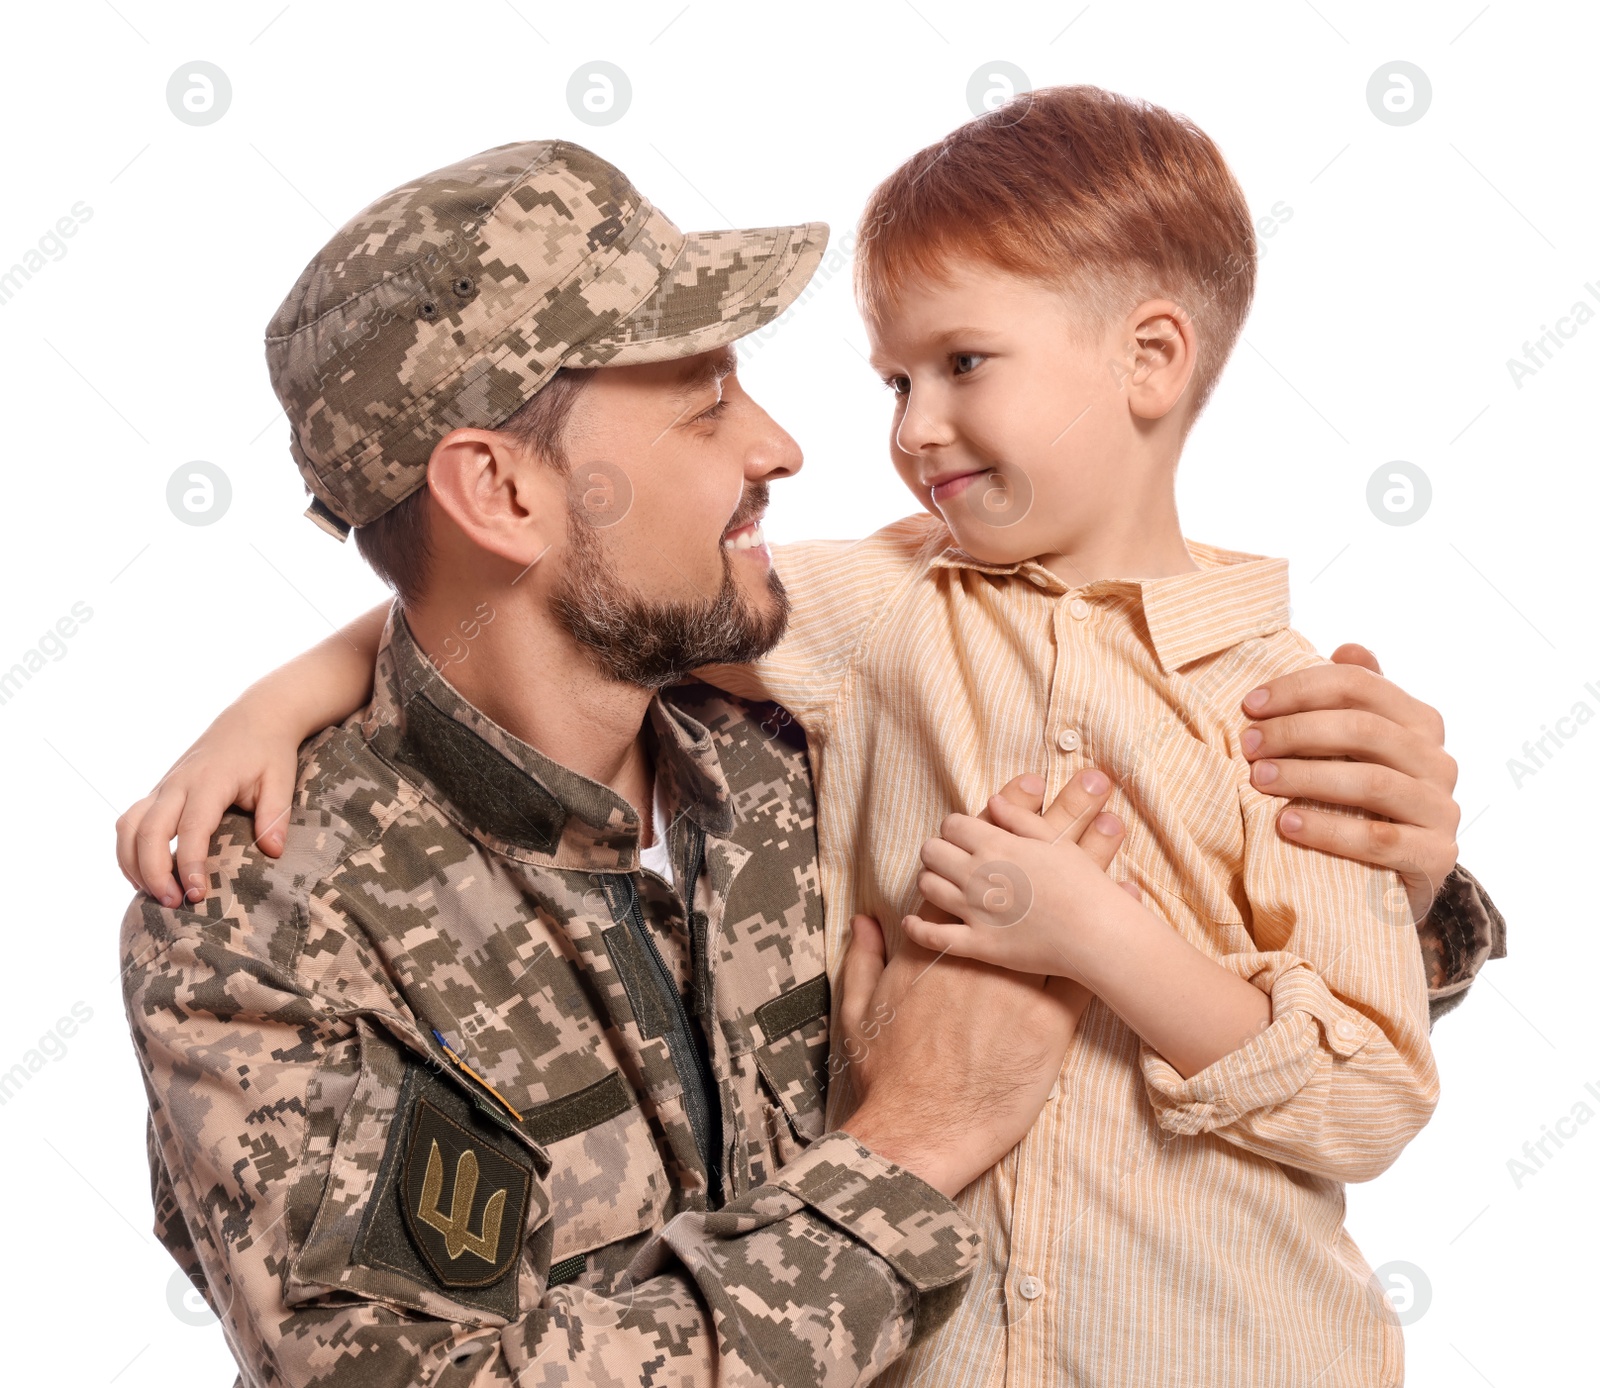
(950, 1060)
(1395, 768)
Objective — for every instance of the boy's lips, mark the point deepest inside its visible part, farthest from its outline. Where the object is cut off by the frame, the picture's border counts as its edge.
(947, 485)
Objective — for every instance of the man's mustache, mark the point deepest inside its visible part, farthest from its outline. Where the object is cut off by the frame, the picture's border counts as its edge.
(751, 505)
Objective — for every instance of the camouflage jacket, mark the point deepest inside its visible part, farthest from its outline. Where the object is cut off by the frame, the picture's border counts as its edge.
(454, 1092)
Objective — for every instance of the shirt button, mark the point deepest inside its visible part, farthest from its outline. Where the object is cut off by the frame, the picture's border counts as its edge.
(1039, 580)
(1346, 1030)
(1031, 1287)
(1068, 740)
(1079, 608)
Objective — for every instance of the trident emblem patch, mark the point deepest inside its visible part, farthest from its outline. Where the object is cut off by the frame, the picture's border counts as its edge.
(458, 1238)
(470, 1234)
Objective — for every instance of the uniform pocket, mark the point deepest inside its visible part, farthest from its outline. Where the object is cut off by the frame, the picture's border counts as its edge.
(792, 1057)
(607, 1182)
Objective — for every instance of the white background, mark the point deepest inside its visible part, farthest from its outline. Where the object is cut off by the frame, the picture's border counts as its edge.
(1417, 259)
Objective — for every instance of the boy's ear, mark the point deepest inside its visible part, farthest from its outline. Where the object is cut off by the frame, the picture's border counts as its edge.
(500, 498)
(1160, 344)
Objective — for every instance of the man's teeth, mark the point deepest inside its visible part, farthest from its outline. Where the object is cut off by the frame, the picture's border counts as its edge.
(745, 539)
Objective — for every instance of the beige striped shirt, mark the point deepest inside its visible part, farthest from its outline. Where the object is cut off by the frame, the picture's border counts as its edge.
(1149, 1229)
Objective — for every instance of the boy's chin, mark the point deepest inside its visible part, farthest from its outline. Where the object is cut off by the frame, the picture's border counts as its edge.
(987, 543)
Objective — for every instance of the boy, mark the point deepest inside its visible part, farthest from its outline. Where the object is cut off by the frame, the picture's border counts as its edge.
(1051, 294)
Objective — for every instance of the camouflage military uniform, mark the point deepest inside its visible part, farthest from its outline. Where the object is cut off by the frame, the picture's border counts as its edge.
(443, 1094)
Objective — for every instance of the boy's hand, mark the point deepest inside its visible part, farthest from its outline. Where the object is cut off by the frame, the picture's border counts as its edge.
(1016, 888)
(238, 760)
(947, 1062)
(1394, 767)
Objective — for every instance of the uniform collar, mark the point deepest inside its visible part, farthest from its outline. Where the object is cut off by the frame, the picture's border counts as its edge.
(1232, 597)
(510, 796)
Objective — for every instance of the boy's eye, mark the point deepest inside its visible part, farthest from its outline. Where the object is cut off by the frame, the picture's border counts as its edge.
(966, 361)
(898, 384)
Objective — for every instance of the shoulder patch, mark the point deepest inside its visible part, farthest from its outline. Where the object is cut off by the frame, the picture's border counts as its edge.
(453, 1199)
(487, 1189)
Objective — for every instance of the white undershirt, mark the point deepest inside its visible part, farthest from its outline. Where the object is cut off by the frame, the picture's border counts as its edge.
(656, 857)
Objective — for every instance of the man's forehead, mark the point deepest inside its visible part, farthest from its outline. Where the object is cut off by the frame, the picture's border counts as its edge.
(706, 369)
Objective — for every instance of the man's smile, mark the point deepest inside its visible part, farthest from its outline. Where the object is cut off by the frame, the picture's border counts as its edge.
(748, 538)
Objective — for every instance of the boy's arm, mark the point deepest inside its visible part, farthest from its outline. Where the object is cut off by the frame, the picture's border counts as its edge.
(1341, 1077)
(247, 758)
(1306, 1044)
(1023, 890)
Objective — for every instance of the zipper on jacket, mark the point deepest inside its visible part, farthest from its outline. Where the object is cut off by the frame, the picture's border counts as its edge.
(685, 1051)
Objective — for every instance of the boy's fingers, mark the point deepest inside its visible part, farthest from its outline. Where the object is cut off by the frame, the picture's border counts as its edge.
(153, 846)
(945, 858)
(1026, 792)
(1081, 799)
(272, 810)
(945, 895)
(127, 846)
(1014, 820)
(938, 937)
(863, 967)
(966, 832)
(1102, 839)
(202, 812)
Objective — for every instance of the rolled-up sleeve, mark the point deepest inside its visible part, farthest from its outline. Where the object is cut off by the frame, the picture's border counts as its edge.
(1342, 1076)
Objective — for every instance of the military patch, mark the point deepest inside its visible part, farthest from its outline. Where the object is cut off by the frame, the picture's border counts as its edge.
(453, 1199)
(471, 1236)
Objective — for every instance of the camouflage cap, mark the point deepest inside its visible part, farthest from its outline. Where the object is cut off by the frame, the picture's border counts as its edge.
(450, 301)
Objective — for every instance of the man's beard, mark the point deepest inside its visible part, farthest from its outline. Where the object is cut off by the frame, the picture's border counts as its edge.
(652, 644)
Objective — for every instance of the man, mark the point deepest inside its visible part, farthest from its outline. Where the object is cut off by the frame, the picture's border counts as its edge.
(451, 1091)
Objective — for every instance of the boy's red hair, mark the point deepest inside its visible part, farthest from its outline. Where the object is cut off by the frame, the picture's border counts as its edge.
(1112, 198)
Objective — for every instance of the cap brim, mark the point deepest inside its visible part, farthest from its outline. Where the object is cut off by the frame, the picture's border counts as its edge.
(723, 285)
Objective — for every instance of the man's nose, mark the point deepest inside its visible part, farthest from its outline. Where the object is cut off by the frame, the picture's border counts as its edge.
(771, 451)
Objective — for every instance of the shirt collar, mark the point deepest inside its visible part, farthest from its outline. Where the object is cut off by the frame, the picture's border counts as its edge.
(1232, 597)
(513, 798)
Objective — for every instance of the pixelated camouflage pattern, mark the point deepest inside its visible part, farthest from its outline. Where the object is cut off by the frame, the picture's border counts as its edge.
(280, 1020)
(449, 301)
(1462, 932)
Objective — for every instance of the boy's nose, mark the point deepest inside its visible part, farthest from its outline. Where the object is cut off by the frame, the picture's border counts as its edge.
(917, 431)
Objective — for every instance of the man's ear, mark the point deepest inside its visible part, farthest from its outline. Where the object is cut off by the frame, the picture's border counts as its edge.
(500, 498)
(1160, 343)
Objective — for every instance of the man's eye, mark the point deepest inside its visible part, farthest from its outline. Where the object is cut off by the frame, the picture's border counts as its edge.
(966, 361)
(715, 411)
